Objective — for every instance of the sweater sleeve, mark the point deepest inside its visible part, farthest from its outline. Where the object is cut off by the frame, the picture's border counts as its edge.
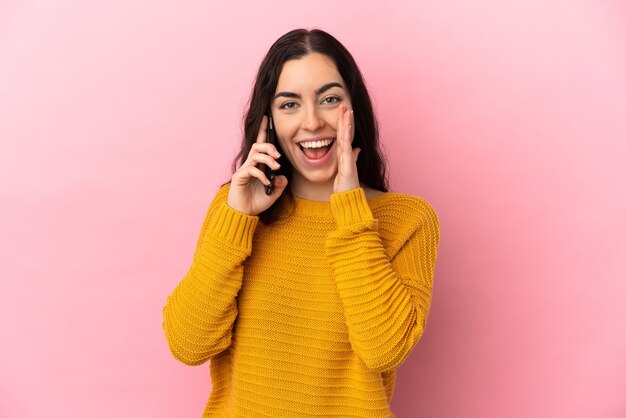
(199, 314)
(386, 299)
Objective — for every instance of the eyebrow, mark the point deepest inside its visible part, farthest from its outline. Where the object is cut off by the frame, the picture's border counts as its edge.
(319, 91)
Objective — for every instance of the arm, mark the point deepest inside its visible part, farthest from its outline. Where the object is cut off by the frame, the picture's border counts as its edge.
(199, 314)
(386, 300)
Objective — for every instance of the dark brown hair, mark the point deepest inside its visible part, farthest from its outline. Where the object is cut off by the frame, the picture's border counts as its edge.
(371, 164)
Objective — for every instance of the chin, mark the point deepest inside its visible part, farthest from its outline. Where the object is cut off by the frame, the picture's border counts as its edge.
(320, 176)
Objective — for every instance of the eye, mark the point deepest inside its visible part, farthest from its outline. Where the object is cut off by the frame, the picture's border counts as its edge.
(334, 99)
(287, 105)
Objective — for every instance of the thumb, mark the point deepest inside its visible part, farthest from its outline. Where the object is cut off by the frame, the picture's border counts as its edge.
(280, 182)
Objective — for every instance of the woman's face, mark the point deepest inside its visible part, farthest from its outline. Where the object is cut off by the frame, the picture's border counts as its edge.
(305, 110)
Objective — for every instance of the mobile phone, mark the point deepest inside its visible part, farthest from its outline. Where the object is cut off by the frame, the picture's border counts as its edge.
(271, 138)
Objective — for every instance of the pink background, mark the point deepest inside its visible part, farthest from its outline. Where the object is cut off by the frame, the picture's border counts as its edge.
(118, 121)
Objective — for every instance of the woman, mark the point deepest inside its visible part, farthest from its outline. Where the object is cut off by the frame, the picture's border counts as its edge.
(308, 298)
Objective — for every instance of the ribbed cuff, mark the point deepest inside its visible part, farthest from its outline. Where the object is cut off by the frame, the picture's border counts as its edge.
(233, 226)
(350, 207)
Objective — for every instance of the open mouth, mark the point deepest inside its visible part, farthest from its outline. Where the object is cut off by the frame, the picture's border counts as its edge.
(318, 149)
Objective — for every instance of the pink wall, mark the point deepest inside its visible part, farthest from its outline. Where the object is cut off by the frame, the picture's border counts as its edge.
(118, 121)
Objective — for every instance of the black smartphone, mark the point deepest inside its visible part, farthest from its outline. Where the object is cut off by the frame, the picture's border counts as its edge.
(271, 138)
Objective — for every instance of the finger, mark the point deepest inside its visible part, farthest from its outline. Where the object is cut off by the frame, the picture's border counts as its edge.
(348, 130)
(255, 172)
(340, 114)
(351, 137)
(262, 135)
(265, 147)
(280, 182)
(264, 159)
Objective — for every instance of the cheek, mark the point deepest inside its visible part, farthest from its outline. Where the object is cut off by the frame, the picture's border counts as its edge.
(284, 140)
(281, 136)
(285, 130)
(283, 147)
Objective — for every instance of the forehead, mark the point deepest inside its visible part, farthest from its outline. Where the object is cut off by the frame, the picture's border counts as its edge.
(308, 72)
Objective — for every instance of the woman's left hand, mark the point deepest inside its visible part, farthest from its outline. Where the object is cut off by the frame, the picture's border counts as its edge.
(347, 176)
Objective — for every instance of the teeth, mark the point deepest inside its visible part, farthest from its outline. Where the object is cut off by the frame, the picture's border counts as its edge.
(316, 144)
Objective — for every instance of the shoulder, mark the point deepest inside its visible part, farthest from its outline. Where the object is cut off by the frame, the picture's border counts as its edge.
(222, 192)
(403, 215)
(371, 193)
(220, 197)
(400, 205)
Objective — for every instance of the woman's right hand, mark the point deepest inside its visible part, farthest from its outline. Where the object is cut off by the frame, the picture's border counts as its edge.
(247, 186)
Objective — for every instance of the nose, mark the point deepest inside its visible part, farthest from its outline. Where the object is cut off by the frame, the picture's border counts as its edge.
(312, 120)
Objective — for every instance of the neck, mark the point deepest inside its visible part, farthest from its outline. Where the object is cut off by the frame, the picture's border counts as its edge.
(319, 192)
(305, 189)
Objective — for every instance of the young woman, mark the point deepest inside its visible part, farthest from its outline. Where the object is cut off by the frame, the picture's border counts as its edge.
(305, 300)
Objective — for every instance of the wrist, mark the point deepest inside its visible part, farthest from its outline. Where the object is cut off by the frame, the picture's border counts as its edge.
(350, 207)
(347, 186)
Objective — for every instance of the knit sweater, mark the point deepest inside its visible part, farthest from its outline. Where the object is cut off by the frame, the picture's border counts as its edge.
(311, 315)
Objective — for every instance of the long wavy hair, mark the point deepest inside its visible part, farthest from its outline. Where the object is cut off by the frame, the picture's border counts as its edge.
(371, 163)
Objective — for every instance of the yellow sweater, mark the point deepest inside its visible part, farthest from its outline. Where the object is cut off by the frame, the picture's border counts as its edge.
(310, 316)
